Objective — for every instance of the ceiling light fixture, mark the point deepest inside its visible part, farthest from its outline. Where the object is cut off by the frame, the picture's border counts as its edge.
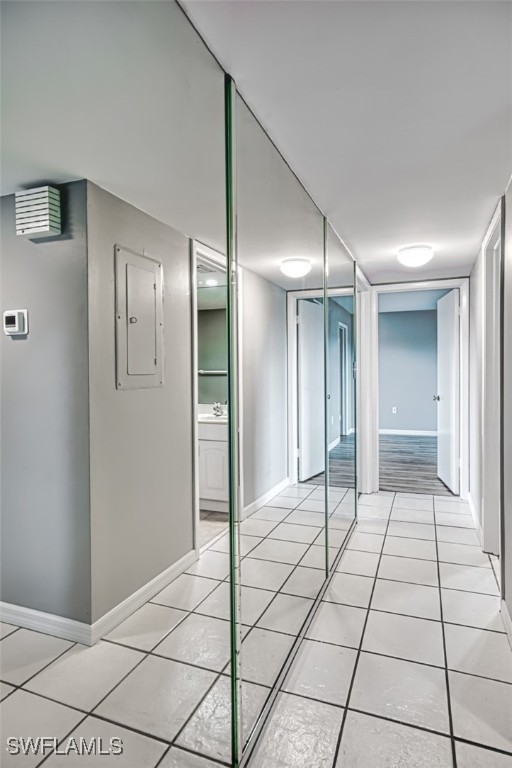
(415, 255)
(210, 283)
(295, 267)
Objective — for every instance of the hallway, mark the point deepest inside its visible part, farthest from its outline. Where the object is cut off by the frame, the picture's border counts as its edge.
(406, 653)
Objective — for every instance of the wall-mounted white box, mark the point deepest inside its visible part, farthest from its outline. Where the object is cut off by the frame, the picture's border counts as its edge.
(38, 212)
(16, 322)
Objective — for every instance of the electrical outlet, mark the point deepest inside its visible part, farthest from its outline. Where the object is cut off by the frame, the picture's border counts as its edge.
(394, 409)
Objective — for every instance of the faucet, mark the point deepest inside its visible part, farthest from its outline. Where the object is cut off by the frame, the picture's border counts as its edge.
(217, 409)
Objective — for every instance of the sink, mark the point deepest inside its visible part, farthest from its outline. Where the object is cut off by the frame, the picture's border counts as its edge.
(209, 418)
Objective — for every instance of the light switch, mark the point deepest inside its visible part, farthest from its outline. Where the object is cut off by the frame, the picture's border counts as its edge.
(394, 409)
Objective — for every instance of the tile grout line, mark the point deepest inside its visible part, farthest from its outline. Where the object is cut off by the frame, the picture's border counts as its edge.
(445, 653)
(359, 651)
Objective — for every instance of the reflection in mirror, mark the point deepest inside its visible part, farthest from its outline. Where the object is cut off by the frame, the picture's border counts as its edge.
(212, 393)
(341, 392)
(282, 529)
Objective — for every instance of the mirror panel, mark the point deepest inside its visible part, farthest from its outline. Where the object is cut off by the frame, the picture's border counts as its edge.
(340, 393)
(281, 530)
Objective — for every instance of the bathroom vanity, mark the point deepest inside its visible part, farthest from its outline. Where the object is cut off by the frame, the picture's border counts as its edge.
(213, 462)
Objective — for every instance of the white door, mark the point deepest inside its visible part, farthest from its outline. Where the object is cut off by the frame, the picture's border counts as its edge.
(448, 428)
(311, 388)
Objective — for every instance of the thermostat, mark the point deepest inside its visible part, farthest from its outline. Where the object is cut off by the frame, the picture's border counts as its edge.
(16, 322)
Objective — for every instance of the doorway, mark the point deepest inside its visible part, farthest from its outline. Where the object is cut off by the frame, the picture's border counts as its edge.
(420, 362)
(313, 420)
(210, 356)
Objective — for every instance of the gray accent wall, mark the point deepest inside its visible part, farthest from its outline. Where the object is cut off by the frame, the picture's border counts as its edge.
(212, 354)
(264, 363)
(408, 370)
(45, 542)
(141, 440)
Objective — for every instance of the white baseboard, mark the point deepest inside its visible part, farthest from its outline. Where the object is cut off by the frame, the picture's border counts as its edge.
(334, 443)
(414, 432)
(212, 505)
(476, 520)
(507, 620)
(49, 623)
(88, 634)
(258, 503)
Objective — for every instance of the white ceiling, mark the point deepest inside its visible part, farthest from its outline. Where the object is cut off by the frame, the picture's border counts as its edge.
(397, 116)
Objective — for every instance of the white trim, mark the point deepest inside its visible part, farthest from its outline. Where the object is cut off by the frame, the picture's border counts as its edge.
(507, 621)
(214, 505)
(49, 623)
(216, 259)
(367, 378)
(334, 443)
(88, 634)
(346, 373)
(292, 298)
(370, 329)
(195, 395)
(490, 372)
(418, 432)
(476, 521)
(258, 503)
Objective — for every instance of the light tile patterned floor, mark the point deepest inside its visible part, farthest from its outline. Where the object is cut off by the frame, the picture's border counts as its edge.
(160, 680)
(405, 663)
(419, 674)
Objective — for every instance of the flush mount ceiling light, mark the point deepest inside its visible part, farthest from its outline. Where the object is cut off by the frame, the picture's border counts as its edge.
(295, 267)
(415, 255)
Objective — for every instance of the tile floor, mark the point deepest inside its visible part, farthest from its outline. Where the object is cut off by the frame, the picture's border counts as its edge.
(160, 680)
(405, 663)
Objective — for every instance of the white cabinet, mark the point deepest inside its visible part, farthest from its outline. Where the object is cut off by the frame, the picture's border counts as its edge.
(213, 465)
(213, 470)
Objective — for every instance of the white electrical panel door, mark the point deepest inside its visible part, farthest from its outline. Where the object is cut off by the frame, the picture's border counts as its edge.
(141, 327)
(139, 320)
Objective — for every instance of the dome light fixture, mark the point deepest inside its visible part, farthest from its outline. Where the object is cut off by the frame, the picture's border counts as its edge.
(415, 255)
(295, 267)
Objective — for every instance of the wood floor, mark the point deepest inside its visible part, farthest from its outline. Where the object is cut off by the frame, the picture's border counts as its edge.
(342, 469)
(407, 464)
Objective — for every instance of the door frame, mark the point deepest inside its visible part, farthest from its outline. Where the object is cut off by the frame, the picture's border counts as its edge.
(291, 319)
(198, 249)
(370, 383)
(344, 373)
(491, 386)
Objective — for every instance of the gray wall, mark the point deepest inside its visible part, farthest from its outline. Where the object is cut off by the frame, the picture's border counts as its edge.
(408, 370)
(264, 361)
(507, 406)
(141, 440)
(45, 553)
(476, 360)
(212, 354)
(338, 315)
